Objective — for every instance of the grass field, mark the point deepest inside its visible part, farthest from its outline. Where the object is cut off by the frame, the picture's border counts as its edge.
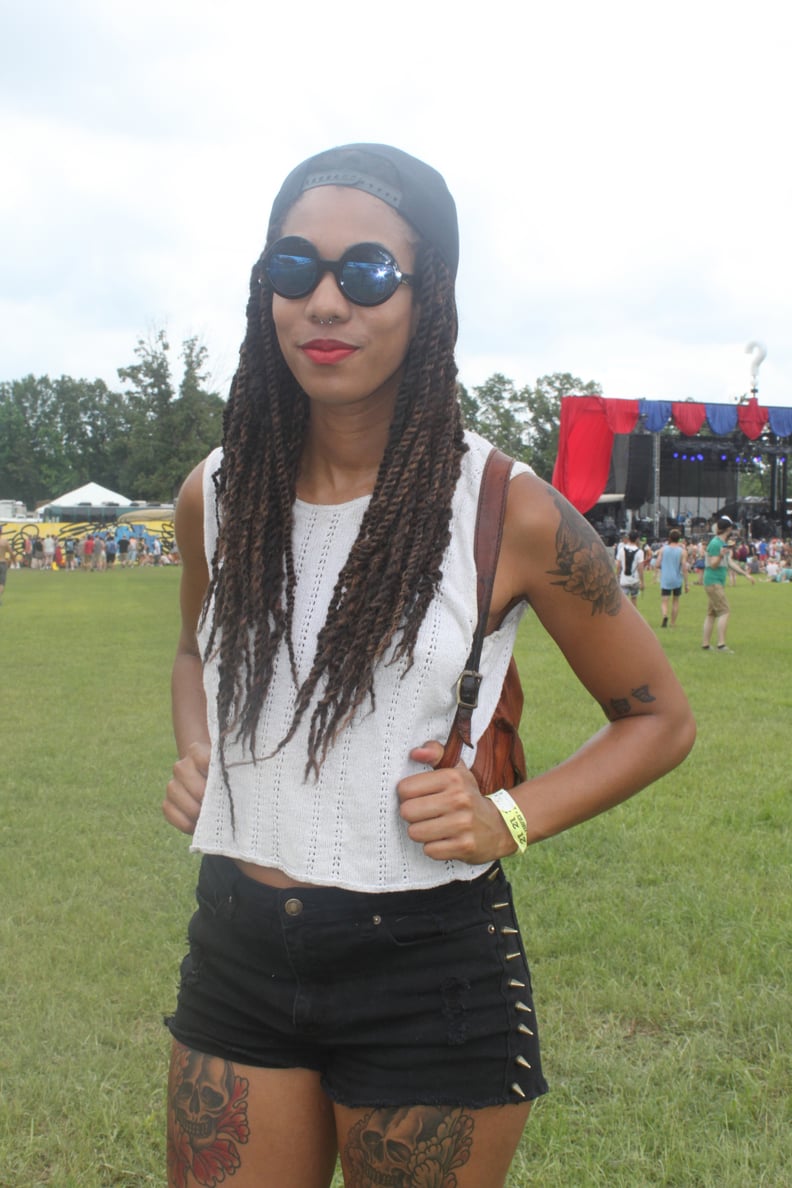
(659, 934)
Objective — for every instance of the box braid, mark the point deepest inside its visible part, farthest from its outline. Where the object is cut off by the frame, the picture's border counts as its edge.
(393, 569)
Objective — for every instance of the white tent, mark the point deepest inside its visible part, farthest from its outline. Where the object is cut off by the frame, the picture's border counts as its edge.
(91, 494)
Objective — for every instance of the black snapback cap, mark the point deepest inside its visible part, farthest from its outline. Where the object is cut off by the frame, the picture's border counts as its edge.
(411, 187)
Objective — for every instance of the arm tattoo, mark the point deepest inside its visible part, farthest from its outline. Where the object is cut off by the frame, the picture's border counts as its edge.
(584, 567)
(207, 1117)
(619, 707)
(406, 1147)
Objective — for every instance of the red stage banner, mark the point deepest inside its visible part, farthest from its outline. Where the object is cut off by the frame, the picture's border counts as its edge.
(688, 417)
(751, 418)
(585, 443)
(622, 414)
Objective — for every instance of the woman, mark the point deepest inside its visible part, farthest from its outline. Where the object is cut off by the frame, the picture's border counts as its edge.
(356, 982)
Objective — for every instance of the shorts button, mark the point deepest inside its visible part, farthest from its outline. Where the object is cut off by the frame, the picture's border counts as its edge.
(293, 907)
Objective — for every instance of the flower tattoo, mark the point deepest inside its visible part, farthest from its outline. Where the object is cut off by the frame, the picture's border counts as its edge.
(207, 1118)
(584, 568)
(409, 1148)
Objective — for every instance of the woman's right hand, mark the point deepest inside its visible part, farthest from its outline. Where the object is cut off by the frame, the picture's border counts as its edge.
(185, 791)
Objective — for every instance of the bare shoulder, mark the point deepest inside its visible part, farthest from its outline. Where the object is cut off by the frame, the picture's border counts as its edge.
(189, 524)
(188, 518)
(554, 552)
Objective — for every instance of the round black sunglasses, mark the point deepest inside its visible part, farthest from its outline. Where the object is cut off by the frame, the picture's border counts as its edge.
(367, 273)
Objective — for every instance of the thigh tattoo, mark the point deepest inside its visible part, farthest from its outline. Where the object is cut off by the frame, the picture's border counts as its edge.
(403, 1147)
(207, 1119)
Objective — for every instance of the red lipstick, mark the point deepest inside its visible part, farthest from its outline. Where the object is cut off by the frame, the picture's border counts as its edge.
(327, 350)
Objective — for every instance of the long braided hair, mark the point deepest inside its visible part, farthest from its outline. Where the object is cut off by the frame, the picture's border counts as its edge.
(394, 567)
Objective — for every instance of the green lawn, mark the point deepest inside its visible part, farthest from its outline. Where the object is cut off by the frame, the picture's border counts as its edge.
(659, 934)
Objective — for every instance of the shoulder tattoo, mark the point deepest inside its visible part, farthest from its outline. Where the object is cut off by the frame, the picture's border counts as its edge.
(584, 568)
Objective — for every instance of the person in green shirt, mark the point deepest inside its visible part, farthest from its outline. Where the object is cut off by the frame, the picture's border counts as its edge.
(719, 562)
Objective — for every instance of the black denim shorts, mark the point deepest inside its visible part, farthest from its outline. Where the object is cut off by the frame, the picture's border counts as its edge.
(397, 999)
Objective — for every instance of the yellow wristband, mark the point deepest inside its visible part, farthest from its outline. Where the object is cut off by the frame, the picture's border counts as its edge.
(512, 815)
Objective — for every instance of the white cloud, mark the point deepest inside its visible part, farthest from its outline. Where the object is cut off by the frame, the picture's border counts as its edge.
(621, 173)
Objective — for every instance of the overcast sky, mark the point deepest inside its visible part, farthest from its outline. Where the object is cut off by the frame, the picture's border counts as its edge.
(622, 173)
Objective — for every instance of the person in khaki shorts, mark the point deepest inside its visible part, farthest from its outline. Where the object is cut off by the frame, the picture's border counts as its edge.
(719, 562)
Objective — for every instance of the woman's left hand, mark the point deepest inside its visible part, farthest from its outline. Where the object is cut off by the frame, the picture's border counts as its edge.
(446, 813)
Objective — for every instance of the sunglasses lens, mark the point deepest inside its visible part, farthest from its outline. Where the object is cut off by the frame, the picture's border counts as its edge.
(368, 274)
(292, 268)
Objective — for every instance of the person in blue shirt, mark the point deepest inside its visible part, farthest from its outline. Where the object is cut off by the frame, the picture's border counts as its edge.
(672, 560)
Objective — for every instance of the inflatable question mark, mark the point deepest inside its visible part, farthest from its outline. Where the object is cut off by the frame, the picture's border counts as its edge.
(759, 353)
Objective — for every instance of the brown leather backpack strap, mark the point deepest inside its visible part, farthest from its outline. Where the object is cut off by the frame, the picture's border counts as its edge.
(490, 515)
(487, 542)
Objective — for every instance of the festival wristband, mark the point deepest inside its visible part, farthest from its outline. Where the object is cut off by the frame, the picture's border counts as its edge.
(512, 815)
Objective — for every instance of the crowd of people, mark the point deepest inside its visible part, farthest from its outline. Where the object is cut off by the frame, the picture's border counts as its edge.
(677, 563)
(769, 560)
(96, 551)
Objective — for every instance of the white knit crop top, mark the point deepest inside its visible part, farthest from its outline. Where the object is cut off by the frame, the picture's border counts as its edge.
(344, 829)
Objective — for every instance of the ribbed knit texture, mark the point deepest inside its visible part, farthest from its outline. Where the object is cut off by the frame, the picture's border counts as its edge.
(344, 828)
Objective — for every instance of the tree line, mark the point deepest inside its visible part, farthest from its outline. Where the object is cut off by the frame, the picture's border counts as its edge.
(142, 440)
(523, 422)
(58, 434)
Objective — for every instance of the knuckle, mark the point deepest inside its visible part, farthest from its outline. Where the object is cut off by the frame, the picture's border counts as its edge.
(467, 846)
(459, 792)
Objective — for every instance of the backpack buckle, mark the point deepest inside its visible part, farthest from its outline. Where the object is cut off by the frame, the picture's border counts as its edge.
(467, 689)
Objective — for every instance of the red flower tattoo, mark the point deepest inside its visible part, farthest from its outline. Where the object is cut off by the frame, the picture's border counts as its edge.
(207, 1119)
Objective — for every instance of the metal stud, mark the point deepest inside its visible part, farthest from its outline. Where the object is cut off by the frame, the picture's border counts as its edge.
(493, 874)
(523, 1029)
(522, 1006)
(516, 985)
(515, 1088)
(496, 907)
(521, 1060)
(509, 932)
(511, 956)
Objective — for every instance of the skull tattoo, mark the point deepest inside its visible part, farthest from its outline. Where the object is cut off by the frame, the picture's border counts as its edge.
(202, 1097)
(207, 1119)
(399, 1148)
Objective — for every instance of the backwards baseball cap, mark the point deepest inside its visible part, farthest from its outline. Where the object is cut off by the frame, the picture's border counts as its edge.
(414, 189)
